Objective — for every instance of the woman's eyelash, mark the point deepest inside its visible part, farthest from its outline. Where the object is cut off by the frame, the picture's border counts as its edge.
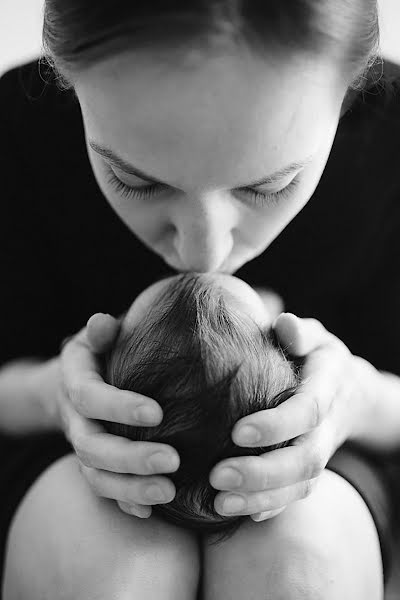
(258, 198)
(130, 192)
(262, 199)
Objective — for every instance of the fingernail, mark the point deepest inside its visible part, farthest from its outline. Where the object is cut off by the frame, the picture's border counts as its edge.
(135, 512)
(233, 504)
(248, 435)
(229, 477)
(139, 516)
(260, 516)
(146, 414)
(274, 322)
(161, 462)
(155, 493)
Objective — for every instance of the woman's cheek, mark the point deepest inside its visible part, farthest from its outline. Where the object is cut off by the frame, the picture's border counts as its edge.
(261, 226)
(147, 220)
(142, 216)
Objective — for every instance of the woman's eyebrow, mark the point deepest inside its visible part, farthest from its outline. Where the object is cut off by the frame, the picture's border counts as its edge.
(132, 170)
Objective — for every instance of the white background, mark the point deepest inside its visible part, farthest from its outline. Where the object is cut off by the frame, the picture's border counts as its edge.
(21, 29)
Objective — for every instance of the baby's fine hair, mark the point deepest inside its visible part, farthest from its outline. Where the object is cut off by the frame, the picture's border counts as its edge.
(208, 364)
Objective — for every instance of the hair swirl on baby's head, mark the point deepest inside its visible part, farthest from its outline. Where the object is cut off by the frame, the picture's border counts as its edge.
(208, 364)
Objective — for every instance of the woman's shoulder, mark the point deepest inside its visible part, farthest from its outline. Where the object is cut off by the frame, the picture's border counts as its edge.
(376, 97)
(367, 145)
(31, 99)
(33, 82)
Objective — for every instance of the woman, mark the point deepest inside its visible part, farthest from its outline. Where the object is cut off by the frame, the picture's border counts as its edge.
(257, 138)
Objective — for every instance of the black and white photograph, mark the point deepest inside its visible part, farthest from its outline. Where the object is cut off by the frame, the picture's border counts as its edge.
(200, 300)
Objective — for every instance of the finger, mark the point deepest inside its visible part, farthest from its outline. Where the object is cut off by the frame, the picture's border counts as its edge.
(100, 400)
(78, 360)
(233, 504)
(102, 330)
(268, 514)
(302, 412)
(298, 336)
(78, 357)
(74, 425)
(130, 489)
(121, 455)
(94, 398)
(138, 510)
(304, 459)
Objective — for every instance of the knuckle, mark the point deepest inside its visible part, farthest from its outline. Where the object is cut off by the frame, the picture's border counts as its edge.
(80, 448)
(66, 342)
(95, 481)
(315, 463)
(264, 475)
(74, 390)
(316, 323)
(307, 488)
(316, 411)
(131, 489)
(77, 392)
(84, 458)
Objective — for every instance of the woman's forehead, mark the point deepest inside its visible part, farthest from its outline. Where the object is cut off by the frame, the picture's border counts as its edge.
(220, 121)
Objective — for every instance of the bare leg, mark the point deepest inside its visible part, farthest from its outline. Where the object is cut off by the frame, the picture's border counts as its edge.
(65, 543)
(323, 547)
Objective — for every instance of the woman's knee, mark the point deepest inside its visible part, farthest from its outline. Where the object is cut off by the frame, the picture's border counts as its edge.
(283, 566)
(66, 543)
(325, 546)
(302, 570)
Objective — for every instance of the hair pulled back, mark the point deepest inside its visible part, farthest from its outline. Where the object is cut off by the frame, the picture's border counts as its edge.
(79, 33)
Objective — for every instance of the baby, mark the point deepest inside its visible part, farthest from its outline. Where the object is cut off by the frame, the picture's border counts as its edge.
(202, 346)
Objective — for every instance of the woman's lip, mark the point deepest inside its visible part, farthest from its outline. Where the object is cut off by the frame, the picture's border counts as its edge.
(229, 266)
(180, 268)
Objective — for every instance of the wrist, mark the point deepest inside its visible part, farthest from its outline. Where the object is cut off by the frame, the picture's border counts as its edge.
(369, 383)
(45, 386)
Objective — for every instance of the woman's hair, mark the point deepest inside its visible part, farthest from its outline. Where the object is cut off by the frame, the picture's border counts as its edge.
(208, 364)
(78, 33)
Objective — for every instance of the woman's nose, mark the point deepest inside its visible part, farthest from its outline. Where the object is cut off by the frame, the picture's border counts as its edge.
(204, 232)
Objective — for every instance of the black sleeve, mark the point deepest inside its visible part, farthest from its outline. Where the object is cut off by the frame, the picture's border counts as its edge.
(372, 317)
(27, 268)
(26, 309)
(381, 306)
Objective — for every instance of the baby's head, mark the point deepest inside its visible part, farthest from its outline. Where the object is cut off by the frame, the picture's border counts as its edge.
(202, 346)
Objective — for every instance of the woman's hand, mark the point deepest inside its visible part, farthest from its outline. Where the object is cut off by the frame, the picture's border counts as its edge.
(114, 467)
(333, 401)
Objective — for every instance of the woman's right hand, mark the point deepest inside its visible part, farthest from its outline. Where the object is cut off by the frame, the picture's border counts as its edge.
(115, 467)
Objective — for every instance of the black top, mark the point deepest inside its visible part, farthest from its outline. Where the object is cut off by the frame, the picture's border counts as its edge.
(65, 254)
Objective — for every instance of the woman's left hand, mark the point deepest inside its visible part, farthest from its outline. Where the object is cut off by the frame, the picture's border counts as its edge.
(334, 399)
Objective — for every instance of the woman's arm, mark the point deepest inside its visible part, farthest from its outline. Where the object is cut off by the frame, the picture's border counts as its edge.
(26, 389)
(381, 430)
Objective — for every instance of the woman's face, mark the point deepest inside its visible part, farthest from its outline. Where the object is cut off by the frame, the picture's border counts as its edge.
(198, 134)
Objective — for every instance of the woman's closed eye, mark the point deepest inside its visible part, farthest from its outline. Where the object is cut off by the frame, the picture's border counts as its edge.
(255, 196)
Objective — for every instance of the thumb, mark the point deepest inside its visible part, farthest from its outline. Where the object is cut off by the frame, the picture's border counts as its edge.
(101, 331)
(137, 510)
(301, 336)
(288, 330)
(268, 514)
